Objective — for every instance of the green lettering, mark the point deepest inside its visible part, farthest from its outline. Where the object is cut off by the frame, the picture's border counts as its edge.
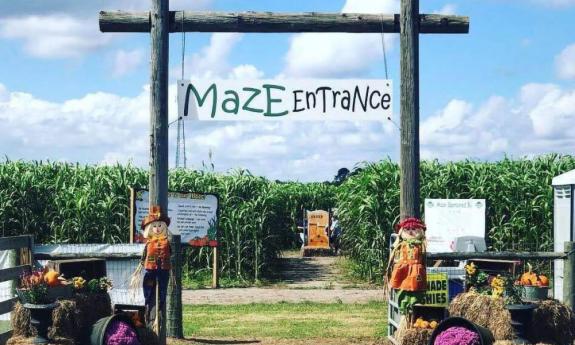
(201, 100)
(246, 106)
(235, 100)
(271, 100)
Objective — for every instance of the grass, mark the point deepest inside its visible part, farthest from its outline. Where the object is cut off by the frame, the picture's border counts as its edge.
(279, 321)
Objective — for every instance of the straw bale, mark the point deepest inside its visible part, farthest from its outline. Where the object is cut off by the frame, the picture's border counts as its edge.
(415, 336)
(20, 322)
(553, 322)
(485, 311)
(19, 340)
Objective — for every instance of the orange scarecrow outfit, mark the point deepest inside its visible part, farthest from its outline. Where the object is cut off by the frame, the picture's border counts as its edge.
(408, 259)
(156, 261)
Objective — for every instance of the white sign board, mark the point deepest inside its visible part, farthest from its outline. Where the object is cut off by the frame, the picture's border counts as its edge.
(285, 99)
(192, 215)
(448, 219)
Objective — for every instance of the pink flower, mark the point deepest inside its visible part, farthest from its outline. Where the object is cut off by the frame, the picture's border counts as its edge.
(457, 336)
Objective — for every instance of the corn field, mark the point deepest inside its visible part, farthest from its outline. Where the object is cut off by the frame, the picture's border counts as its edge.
(66, 203)
(518, 193)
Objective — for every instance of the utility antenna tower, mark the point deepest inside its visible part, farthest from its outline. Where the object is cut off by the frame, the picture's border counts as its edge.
(181, 161)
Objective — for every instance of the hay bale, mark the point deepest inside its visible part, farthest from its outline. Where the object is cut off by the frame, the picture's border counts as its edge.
(415, 336)
(66, 321)
(20, 322)
(19, 340)
(485, 311)
(553, 322)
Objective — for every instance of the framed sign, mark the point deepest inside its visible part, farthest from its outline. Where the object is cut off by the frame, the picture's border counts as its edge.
(448, 219)
(285, 100)
(193, 216)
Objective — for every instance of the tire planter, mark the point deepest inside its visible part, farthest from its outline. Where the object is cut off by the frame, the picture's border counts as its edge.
(485, 335)
(41, 319)
(521, 315)
(98, 330)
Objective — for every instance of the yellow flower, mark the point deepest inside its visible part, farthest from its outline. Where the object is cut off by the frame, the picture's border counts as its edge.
(470, 269)
(78, 282)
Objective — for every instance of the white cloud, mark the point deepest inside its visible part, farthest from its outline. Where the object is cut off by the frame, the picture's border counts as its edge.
(565, 63)
(126, 62)
(54, 36)
(538, 120)
(246, 72)
(448, 9)
(87, 129)
(339, 55)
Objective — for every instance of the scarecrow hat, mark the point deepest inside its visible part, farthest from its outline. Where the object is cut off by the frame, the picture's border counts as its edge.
(154, 216)
(410, 224)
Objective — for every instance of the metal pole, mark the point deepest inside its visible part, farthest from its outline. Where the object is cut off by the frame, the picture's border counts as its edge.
(409, 151)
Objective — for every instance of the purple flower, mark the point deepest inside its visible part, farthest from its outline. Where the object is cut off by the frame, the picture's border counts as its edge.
(457, 336)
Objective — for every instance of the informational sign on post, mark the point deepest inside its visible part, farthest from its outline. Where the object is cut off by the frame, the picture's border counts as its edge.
(285, 100)
(192, 215)
(448, 219)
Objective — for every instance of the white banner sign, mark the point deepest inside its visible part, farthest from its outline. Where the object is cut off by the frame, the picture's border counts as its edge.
(289, 99)
(448, 219)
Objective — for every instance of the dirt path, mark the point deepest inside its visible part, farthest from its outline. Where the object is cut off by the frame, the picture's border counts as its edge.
(316, 279)
(316, 341)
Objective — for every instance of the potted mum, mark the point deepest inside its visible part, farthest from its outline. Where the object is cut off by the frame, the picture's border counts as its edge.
(521, 312)
(34, 296)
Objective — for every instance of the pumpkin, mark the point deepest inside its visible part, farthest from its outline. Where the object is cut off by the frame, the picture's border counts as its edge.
(51, 278)
(544, 280)
(528, 278)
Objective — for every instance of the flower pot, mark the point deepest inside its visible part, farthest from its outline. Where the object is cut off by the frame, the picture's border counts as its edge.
(98, 331)
(485, 335)
(521, 315)
(532, 293)
(41, 319)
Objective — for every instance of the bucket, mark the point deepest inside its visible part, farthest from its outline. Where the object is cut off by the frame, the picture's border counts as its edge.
(485, 335)
(532, 293)
(98, 331)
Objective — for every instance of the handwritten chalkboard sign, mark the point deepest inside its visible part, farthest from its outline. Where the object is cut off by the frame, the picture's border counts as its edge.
(193, 216)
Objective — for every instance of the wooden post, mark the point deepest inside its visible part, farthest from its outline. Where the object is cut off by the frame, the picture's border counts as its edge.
(215, 270)
(409, 150)
(160, 25)
(569, 275)
(174, 309)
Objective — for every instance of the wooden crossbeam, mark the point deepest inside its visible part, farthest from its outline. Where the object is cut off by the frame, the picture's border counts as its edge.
(266, 22)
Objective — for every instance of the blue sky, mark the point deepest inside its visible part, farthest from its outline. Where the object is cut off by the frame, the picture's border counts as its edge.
(71, 93)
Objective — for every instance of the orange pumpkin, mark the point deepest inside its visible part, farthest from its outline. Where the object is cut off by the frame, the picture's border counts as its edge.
(528, 278)
(51, 278)
(544, 280)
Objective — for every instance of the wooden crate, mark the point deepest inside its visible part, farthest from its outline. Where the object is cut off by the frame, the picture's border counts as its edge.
(85, 268)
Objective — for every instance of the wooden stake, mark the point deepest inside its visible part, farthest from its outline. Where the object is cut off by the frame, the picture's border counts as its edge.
(159, 20)
(215, 271)
(409, 147)
(174, 304)
(119, 21)
(569, 275)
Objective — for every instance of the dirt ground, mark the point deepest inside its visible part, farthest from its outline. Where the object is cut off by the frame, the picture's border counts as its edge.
(315, 279)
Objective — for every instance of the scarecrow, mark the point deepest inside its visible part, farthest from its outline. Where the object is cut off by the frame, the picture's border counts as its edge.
(156, 262)
(408, 260)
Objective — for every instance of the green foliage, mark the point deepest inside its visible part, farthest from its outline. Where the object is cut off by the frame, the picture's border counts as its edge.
(70, 203)
(67, 203)
(518, 193)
